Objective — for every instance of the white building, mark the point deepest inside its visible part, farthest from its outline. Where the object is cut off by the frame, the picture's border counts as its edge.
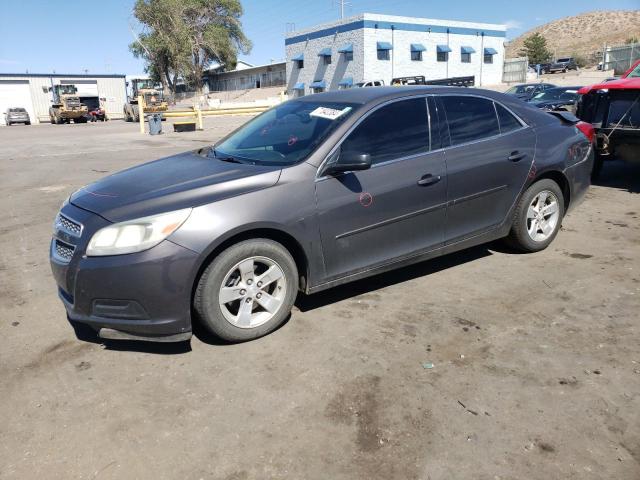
(371, 47)
(31, 91)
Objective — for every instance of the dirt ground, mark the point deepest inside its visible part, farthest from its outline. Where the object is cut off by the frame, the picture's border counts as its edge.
(535, 358)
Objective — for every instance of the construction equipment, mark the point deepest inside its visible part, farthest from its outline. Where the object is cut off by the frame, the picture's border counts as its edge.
(66, 105)
(151, 95)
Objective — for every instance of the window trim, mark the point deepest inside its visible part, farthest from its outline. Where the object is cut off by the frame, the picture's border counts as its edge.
(320, 171)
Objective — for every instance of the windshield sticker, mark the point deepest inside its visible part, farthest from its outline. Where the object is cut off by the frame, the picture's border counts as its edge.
(329, 113)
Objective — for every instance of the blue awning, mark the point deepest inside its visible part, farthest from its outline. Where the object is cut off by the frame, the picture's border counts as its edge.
(348, 48)
(467, 50)
(346, 82)
(417, 47)
(325, 52)
(298, 86)
(385, 46)
(443, 49)
(318, 84)
(298, 58)
(490, 51)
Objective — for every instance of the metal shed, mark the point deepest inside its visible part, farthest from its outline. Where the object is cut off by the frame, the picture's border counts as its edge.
(31, 91)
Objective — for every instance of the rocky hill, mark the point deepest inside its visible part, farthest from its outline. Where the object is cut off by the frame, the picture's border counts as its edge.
(584, 34)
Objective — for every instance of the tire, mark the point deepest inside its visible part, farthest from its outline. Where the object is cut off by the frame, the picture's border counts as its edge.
(225, 319)
(8, 124)
(526, 214)
(28, 123)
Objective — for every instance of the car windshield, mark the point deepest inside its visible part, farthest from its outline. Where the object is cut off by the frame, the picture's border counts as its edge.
(284, 135)
(564, 60)
(635, 73)
(556, 94)
(17, 110)
(520, 89)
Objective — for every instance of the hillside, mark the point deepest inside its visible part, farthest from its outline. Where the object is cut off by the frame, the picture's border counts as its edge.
(584, 34)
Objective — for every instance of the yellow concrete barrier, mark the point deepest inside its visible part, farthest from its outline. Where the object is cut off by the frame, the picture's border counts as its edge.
(198, 113)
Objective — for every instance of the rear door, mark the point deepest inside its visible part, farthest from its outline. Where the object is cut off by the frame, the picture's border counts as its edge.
(393, 209)
(488, 160)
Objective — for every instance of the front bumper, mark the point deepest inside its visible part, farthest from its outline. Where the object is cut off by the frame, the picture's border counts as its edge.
(146, 294)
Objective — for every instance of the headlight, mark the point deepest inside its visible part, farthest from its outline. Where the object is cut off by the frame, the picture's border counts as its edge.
(135, 235)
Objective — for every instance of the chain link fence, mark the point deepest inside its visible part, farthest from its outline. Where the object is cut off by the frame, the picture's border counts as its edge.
(620, 58)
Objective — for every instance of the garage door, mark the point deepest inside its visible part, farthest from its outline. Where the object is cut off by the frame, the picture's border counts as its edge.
(15, 93)
(86, 88)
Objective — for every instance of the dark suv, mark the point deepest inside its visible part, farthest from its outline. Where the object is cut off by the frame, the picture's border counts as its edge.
(562, 65)
(314, 193)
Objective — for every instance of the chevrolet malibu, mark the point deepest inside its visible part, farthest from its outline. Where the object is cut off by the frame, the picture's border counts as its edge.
(314, 193)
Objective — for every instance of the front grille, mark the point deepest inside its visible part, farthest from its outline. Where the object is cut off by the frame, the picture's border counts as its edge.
(73, 102)
(63, 251)
(70, 226)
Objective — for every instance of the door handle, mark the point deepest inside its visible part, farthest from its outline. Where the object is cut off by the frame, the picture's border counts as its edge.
(429, 179)
(516, 156)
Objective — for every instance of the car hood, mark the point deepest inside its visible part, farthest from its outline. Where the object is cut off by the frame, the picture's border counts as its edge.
(549, 103)
(172, 183)
(620, 84)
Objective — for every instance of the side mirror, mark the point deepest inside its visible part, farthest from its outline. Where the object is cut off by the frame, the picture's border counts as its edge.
(349, 161)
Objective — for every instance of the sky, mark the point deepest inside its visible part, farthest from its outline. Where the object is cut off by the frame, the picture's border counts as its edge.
(37, 35)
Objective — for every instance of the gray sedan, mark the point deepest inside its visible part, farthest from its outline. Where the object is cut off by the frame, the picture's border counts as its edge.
(314, 193)
(16, 115)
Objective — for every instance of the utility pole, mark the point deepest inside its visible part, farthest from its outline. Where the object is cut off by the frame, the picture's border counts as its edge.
(343, 3)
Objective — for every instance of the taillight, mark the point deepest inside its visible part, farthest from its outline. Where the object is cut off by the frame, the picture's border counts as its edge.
(587, 130)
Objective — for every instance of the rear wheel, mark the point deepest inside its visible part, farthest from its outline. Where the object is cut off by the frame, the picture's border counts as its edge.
(538, 217)
(247, 291)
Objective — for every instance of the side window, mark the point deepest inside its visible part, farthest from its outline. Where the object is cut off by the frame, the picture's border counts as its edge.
(396, 130)
(470, 118)
(507, 121)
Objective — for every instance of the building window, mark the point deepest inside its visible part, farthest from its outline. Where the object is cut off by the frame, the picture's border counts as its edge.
(317, 89)
(327, 60)
(488, 58)
(383, 55)
(416, 56)
(443, 56)
(348, 56)
(300, 63)
(465, 57)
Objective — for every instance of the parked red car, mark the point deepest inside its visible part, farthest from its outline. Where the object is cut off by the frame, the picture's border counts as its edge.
(613, 108)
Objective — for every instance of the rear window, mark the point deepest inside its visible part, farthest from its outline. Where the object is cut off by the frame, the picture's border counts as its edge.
(507, 121)
(470, 118)
(17, 110)
(624, 112)
(564, 60)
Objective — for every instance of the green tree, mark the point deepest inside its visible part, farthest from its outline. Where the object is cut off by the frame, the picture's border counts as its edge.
(161, 63)
(535, 47)
(183, 37)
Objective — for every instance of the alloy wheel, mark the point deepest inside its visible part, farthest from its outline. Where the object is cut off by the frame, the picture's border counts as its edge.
(252, 292)
(543, 215)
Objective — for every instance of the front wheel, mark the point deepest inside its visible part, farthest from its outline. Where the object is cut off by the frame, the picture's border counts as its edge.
(247, 291)
(538, 217)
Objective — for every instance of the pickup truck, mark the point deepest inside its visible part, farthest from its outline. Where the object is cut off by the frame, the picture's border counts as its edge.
(562, 65)
(613, 108)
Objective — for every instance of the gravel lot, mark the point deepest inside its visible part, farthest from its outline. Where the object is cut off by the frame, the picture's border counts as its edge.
(536, 358)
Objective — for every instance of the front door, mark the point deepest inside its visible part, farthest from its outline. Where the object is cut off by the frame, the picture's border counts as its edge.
(393, 209)
(488, 161)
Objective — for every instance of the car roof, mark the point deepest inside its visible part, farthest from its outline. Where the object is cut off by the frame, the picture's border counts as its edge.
(379, 94)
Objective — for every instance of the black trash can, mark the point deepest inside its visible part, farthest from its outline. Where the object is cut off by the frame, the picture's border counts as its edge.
(155, 123)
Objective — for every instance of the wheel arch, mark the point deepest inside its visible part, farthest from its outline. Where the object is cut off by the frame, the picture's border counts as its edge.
(285, 239)
(562, 181)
